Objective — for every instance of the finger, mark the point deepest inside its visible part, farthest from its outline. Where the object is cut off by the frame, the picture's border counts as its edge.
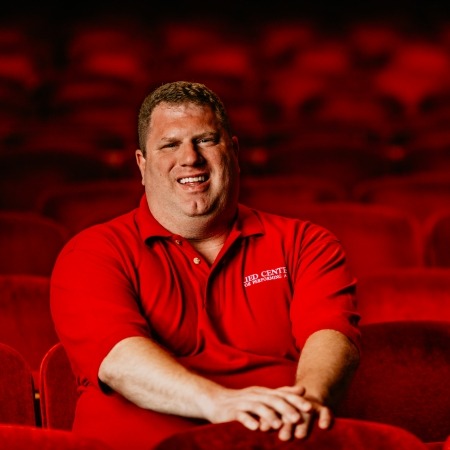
(247, 420)
(302, 429)
(266, 426)
(265, 413)
(325, 418)
(296, 399)
(285, 432)
(272, 406)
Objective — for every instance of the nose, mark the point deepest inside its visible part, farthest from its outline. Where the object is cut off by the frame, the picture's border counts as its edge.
(189, 155)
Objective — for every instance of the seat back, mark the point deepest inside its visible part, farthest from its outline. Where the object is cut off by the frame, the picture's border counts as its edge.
(273, 192)
(58, 390)
(374, 237)
(16, 388)
(79, 205)
(438, 239)
(29, 243)
(403, 378)
(25, 437)
(419, 194)
(25, 319)
(421, 293)
(39, 169)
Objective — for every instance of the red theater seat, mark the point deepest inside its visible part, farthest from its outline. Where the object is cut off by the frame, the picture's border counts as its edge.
(16, 388)
(405, 294)
(29, 243)
(25, 320)
(24, 174)
(438, 239)
(270, 191)
(419, 194)
(346, 434)
(27, 437)
(79, 205)
(403, 378)
(58, 390)
(374, 237)
(343, 163)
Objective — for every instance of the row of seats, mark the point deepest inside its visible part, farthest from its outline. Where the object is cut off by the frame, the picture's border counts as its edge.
(291, 86)
(131, 51)
(413, 394)
(327, 172)
(374, 236)
(396, 294)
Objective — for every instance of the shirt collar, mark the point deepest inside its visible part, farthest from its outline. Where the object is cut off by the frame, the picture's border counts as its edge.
(247, 222)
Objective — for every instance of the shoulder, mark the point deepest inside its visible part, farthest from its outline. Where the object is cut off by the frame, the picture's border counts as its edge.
(291, 227)
(115, 235)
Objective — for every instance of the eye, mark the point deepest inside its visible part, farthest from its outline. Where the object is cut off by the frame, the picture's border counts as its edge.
(208, 140)
(169, 146)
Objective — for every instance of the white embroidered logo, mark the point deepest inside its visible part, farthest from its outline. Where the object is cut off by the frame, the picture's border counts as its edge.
(265, 275)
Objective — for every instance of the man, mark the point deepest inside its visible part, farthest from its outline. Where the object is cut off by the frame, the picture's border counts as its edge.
(194, 309)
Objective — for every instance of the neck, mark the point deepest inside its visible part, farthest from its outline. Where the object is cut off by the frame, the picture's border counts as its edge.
(210, 247)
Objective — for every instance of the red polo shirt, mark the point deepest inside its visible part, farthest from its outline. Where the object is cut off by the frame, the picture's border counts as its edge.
(241, 321)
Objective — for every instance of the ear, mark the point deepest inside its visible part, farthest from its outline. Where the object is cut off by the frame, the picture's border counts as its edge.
(141, 162)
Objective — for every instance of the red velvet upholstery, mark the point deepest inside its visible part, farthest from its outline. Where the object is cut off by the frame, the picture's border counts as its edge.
(346, 434)
(58, 390)
(40, 168)
(16, 388)
(375, 237)
(26, 437)
(420, 194)
(271, 192)
(343, 164)
(79, 205)
(438, 239)
(25, 320)
(403, 378)
(29, 243)
(421, 293)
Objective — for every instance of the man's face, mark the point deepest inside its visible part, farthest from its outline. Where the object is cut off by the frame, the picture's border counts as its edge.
(191, 166)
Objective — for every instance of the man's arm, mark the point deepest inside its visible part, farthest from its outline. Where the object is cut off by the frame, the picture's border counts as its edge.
(150, 377)
(327, 364)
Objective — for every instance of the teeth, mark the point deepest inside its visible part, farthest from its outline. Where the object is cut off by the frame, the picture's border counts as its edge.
(192, 179)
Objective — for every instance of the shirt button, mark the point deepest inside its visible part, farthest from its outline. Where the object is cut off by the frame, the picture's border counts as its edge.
(177, 241)
(197, 260)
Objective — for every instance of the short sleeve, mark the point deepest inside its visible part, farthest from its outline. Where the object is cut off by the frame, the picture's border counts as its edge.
(93, 301)
(324, 289)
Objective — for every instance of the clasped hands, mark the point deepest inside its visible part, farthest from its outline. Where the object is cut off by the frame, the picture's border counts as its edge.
(285, 409)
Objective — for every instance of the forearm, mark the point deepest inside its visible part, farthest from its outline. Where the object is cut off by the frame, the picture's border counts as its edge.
(147, 375)
(327, 364)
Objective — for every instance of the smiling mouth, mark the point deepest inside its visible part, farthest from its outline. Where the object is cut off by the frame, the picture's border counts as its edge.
(187, 180)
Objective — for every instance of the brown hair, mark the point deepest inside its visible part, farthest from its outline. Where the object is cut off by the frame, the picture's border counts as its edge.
(179, 92)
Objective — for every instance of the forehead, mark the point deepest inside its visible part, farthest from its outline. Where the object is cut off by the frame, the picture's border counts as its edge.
(173, 111)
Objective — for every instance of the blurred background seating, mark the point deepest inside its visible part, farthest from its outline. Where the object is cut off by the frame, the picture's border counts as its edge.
(405, 365)
(79, 205)
(29, 243)
(414, 293)
(16, 388)
(25, 320)
(58, 390)
(342, 114)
